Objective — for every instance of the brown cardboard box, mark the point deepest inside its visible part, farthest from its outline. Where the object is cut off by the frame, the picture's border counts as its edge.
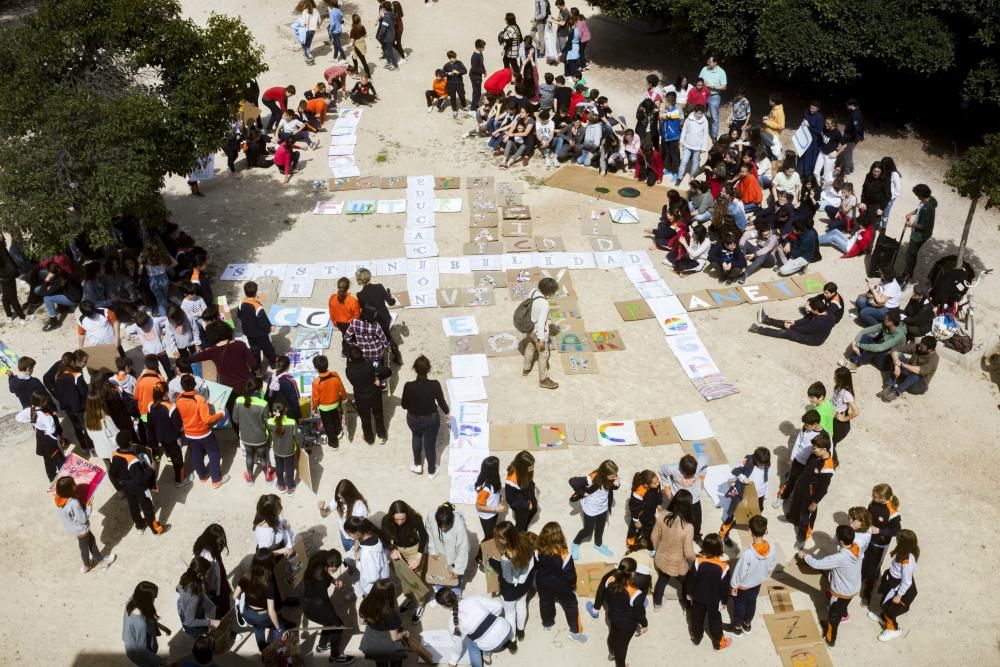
(102, 356)
(410, 581)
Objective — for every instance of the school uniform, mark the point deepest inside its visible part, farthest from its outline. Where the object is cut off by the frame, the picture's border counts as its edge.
(71, 392)
(845, 582)
(801, 451)
(811, 488)
(151, 339)
(136, 477)
(746, 472)
(327, 394)
(708, 585)
(595, 503)
(286, 388)
(197, 421)
(886, 518)
(481, 629)
(257, 328)
(284, 446)
(897, 581)
(642, 506)
(23, 386)
(752, 569)
(555, 581)
(490, 497)
(515, 584)
(373, 564)
(522, 501)
(144, 386)
(626, 612)
(48, 435)
(164, 427)
(671, 475)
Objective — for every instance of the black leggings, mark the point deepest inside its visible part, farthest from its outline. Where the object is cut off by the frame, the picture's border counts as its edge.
(141, 509)
(457, 96)
(567, 600)
(522, 517)
(332, 426)
(592, 525)
(257, 453)
(696, 619)
(89, 553)
(364, 63)
(840, 431)
(398, 45)
(53, 463)
(618, 640)
(82, 437)
(11, 305)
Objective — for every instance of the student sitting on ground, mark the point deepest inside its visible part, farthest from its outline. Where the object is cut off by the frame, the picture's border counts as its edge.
(912, 369)
(437, 96)
(813, 329)
(759, 245)
(854, 244)
(801, 248)
(364, 92)
(874, 343)
(727, 259)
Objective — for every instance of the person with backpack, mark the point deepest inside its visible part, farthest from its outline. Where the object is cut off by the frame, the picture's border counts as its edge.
(531, 317)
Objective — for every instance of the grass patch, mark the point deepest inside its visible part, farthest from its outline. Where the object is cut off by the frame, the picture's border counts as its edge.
(382, 157)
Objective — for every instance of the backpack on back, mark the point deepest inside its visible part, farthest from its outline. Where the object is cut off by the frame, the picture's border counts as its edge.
(522, 315)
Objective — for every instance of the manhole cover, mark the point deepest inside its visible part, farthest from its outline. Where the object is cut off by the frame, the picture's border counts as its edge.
(12, 431)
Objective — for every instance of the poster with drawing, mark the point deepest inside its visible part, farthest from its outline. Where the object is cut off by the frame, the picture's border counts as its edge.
(468, 426)
(328, 208)
(86, 475)
(466, 461)
(616, 433)
(502, 344)
(313, 339)
(463, 325)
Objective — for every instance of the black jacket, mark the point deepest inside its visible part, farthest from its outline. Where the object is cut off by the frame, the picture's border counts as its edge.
(377, 296)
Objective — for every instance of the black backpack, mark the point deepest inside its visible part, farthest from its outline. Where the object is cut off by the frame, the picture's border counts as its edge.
(522, 315)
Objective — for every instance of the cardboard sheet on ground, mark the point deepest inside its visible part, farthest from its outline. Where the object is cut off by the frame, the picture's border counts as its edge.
(709, 448)
(312, 339)
(101, 356)
(596, 226)
(784, 289)
(484, 235)
(655, 432)
(479, 182)
(509, 187)
(482, 248)
(517, 228)
(393, 183)
(810, 283)
(466, 390)
(605, 341)
(550, 244)
(792, 628)
(581, 434)
(726, 297)
(579, 363)
(469, 365)
(342, 183)
(480, 219)
(463, 489)
(616, 433)
(411, 583)
(693, 426)
(571, 342)
(632, 311)
(697, 300)
(588, 577)
(491, 279)
(465, 296)
(502, 344)
(604, 243)
(802, 655)
(439, 644)
(584, 180)
(466, 345)
(447, 182)
(490, 550)
(88, 477)
(463, 325)
(439, 572)
(518, 244)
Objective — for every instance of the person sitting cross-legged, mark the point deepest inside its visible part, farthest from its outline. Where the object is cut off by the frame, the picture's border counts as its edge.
(727, 259)
(813, 329)
(873, 344)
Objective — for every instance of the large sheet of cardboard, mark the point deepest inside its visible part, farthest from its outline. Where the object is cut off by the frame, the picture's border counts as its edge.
(588, 577)
(438, 572)
(709, 447)
(101, 356)
(585, 181)
(653, 432)
(411, 582)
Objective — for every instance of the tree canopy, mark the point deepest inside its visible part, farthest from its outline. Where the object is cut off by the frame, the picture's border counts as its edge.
(99, 101)
(976, 173)
(839, 41)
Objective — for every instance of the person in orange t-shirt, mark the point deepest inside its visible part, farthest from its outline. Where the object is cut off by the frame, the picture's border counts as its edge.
(437, 96)
(344, 309)
(317, 107)
(748, 188)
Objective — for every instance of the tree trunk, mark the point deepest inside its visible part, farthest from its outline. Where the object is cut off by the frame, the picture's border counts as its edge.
(965, 233)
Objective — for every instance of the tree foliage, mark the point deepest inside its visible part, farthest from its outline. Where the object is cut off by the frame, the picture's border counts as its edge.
(839, 41)
(976, 173)
(99, 101)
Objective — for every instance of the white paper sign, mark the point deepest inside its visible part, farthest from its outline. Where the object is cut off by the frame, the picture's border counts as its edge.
(463, 325)
(391, 206)
(654, 290)
(619, 433)
(418, 235)
(391, 267)
(642, 274)
(469, 365)
(328, 208)
(276, 271)
(421, 250)
(454, 265)
(580, 260)
(296, 289)
(237, 272)
(693, 426)
(464, 390)
(419, 218)
(692, 356)
(314, 318)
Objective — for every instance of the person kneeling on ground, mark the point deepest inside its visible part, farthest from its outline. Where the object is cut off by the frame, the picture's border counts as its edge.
(813, 329)
(874, 343)
(912, 369)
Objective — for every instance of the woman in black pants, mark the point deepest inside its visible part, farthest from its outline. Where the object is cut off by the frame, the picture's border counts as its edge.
(421, 400)
(519, 489)
(367, 395)
(317, 605)
(625, 606)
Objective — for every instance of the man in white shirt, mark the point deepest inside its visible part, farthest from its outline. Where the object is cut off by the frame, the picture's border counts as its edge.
(715, 80)
(536, 343)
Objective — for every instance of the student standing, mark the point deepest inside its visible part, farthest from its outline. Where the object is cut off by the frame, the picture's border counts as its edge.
(595, 493)
(151, 331)
(421, 399)
(141, 627)
(49, 443)
(71, 392)
(382, 641)
(259, 593)
(317, 604)
(197, 421)
(256, 325)
(101, 428)
(335, 27)
(555, 580)
(136, 477)
(898, 588)
(369, 553)
(310, 20)
(477, 626)
(196, 611)
(367, 395)
(886, 523)
(516, 570)
(519, 489)
(844, 567)
(687, 474)
(21, 382)
(754, 468)
(625, 605)
(283, 386)
(454, 70)
(76, 520)
(406, 537)
(284, 444)
(477, 70)
(379, 298)
(344, 309)
(854, 133)
(359, 46)
(715, 80)
(816, 394)
(386, 35)
(327, 395)
(673, 541)
(165, 435)
(210, 545)
(348, 502)
(233, 361)
(645, 500)
(801, 450)
(844, 404)
(921, 223)
(753, 567)
(536, 342)
(707, 587)
(811, 488)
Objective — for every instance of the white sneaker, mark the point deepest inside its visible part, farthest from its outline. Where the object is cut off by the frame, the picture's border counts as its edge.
(433, 603)
(140, 531)
(382, 441)
(417, 470)
(430, 108)
(402, 60)
(108, 560)
(434, 474)
(872, 616)
(778, 502)
(889, 635)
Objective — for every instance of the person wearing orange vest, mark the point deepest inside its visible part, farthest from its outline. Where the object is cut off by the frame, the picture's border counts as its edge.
(148, 380)
(197, 420)
(327, 395)
(255, 324)
(344, 309)
(136, 477)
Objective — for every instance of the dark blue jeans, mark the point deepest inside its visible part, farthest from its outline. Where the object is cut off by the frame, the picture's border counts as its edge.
(876, 359)
(425, 430)
(199, 448)
(745, 606)
(338, 50)
(907, 381)
(263, 629)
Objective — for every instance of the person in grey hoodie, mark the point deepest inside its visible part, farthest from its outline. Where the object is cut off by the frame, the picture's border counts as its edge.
(694, 139)
(448, 538)
(141, 627)
(845, 579)
(195, 609)
(75, 519)
(753, 567)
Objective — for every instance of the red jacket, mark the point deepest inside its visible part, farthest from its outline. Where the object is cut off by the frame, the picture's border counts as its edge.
(655, 163)
(861, 246)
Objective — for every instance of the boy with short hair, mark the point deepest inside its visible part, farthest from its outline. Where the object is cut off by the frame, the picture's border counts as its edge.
(800, 454)
(454, 73)
(328, 394)
(844, 567)
(687, 474)
(811, 488)
(135, 476)
(822, 405)
(477, 70)
(76, 520)
(670, 136)
(256, 325)
(22, 384)
(754, 468)
(437, 96)
(753, 567)
(834, 302)
(547, 92)
(196, 422)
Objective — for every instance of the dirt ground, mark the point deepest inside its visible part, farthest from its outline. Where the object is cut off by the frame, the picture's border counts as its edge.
(933, 450)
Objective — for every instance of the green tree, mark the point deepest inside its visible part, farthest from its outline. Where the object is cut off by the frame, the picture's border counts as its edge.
(100, 100)
(838, 41)
(976, 176)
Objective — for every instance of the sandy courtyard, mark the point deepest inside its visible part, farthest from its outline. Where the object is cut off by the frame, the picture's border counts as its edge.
(933, 450)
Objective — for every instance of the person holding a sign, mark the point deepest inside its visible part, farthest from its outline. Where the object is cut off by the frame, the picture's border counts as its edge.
(755, 468)
(407, 537)
(449, 542)
(76, 520)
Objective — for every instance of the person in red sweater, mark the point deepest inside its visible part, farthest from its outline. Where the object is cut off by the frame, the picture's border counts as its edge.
(276, 99)
(698, 95)
(498, 81)
(286, 158)
(649, 165)
(853, 245)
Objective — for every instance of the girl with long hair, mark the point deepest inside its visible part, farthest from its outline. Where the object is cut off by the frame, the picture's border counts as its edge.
(477, 620)
(555, 580)
(283, 386)
(347, 502)
(141, 626)
(519, 489)
(195, 609)
(672, 539)
(448, 539)
(625, 606)
(516, 569)
(284, 444)
(898, 587)
(369, 552)
(100, 426)
(406, 537)
(844, 405)
(886, 523)
(250, 413)
(270, 528)
(49, 443)
(595, 493)
(489, 503)
(317, 605)
(358, 44)
(645, 499)
(382, 641)
(209, 546)
(260, 594)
